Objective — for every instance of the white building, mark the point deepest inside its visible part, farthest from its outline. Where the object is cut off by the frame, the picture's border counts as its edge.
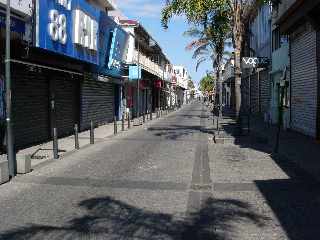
(183, 78)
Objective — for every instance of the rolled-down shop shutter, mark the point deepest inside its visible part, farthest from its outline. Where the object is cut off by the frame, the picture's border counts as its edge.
(97, 102)
(67, 101)
(31, 121)
(304, 82)
(265, 91)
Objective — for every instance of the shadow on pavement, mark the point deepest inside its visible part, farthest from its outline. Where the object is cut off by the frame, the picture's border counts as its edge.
(295, 201)
(174, 132)
(107, 218)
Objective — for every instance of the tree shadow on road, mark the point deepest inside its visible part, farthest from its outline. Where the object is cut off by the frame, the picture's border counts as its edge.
(108, 218)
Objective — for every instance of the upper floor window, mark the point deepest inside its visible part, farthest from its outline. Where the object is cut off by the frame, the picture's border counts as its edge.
(278, 40)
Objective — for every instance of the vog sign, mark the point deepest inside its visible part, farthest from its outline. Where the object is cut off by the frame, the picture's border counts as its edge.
(254, 62)
(68, 27)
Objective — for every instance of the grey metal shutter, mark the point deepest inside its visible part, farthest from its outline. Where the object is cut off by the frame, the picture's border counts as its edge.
(254, 93)
(245, 94)
(30, 105)
(97, 102)
(265, 91)
(66, 102)
(304, 82)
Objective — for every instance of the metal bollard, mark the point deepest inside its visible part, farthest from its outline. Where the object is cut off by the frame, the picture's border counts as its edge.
(144, 117)
(115, 125)
(122, 122)
(91, 133)
(55, 144)
(249, 123)
(129, 124)
(218, 123)
(76, 137)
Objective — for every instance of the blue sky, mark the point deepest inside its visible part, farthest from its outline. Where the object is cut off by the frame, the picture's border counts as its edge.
(147, 12)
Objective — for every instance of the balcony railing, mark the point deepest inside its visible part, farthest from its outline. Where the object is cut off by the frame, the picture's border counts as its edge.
(150, 66)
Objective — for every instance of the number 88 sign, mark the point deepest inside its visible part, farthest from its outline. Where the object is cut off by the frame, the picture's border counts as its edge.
(68, 27)
(57, 27)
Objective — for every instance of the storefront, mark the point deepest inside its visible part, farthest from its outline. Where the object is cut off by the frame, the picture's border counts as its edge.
(48, 72)
(112, 54)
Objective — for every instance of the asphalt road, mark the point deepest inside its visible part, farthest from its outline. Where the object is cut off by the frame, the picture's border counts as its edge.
(163, 180)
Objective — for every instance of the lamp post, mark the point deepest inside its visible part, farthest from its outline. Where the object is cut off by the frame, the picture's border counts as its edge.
(10, 148)
(138, 85)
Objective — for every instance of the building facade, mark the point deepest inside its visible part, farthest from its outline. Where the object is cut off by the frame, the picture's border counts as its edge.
(296, 30)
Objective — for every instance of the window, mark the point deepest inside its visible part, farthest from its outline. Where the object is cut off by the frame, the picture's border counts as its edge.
(275, 39)
(278, 40)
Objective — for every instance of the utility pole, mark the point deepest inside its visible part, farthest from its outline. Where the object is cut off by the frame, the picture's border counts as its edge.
(138, 85)
(10, 148)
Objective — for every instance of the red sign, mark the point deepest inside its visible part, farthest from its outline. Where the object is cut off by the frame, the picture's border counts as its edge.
(158, 83)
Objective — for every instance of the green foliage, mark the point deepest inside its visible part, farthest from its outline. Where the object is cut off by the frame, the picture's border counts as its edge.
(211, 26)
(196, 11)
(207, 83)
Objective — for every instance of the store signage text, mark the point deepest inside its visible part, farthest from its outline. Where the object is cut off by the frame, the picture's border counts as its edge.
(253, 62)
(113, 42)
(71, 28)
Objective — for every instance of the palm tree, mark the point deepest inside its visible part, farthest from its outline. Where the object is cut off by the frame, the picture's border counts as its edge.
(209, 45)
(203, 12)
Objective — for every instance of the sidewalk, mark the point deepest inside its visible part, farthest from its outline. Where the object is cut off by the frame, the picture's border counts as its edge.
(293, 146)
(43, 152)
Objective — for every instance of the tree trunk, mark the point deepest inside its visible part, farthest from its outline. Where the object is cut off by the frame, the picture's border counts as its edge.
(237, 81)
(238, 36)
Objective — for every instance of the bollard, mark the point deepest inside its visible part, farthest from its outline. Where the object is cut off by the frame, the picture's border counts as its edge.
(91, 133)
(144, 117)
(76, 137)
(151, 114)
(115, 125)
(55, 144)
(217, 123)
(122, 122)
(249, 123)
(129, 124)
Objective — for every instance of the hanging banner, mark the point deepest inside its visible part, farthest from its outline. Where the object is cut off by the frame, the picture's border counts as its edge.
(68, 27)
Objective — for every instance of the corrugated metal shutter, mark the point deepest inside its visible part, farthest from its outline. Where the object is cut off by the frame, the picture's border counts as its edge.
(66, 102)
(30, 105)
(265, 91)
(245, 94)
(254, 93)
(304, 82)
(97, 102)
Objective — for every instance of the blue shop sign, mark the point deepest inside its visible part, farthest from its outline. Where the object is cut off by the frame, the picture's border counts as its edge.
(17, 25)
(134, 72)
(113, 46)
(68, 27)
